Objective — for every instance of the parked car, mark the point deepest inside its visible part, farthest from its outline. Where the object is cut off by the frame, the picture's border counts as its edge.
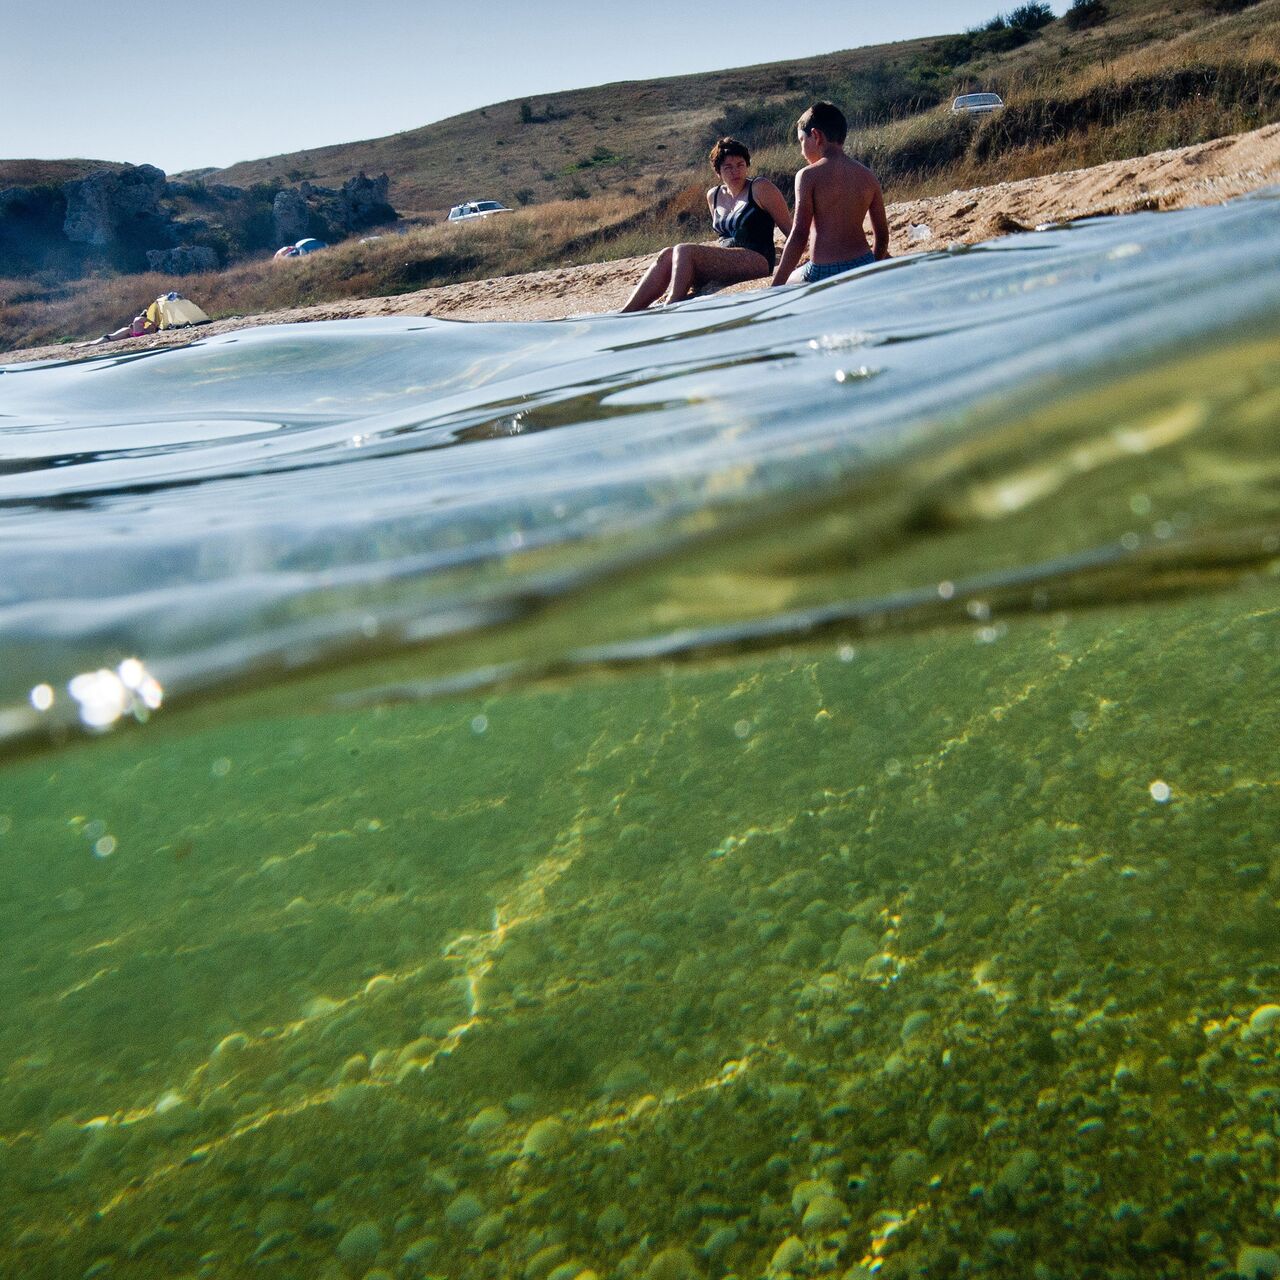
(977, 104)
(476, 209)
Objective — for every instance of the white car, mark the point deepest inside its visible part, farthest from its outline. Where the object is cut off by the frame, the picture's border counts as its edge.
(476, 209)
(977, 104)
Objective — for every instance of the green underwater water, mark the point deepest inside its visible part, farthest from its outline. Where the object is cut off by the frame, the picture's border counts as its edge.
(847, 844)
(888, 954)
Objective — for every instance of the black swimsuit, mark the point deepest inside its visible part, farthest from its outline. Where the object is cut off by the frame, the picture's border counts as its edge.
(747, 227)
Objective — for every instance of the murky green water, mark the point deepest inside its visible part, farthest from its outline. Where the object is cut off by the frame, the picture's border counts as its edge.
(777, 824)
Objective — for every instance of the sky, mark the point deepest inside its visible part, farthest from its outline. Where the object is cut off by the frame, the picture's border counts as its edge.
(183, 86)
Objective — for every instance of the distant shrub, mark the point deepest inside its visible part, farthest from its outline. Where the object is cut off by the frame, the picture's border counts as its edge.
(1085, 13)
(1230, 6)
(997, 35)
(1031, 16)
(526, 112)
(600, 158)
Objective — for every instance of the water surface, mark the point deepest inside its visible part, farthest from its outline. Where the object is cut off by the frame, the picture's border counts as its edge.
(780, 786)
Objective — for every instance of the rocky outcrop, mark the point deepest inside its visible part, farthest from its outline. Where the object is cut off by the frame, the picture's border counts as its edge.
(109, 202)
(182, 260)
(130, 218)
(290, 216)
(364, 202)
(31, 236)
(330, 214)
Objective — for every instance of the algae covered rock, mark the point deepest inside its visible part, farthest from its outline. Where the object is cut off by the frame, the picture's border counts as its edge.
(546, 1138)
(672, 1264)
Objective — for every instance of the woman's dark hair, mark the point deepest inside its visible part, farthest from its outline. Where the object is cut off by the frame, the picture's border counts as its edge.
(725, 148)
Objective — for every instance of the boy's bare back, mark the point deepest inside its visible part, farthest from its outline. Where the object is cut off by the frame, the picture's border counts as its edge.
(834, 197)
(840, 193)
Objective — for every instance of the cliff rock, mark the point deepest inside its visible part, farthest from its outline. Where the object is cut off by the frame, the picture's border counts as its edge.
(107, 203)
(182, 260)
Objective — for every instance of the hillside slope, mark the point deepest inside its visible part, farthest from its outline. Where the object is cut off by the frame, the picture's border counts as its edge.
(635, 135)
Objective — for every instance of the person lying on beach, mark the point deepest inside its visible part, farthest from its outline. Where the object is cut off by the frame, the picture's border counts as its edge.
(834, 195)
(744, 212)
(134, 329)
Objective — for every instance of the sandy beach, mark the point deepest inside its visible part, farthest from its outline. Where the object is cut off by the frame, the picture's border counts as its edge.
(1204, 174)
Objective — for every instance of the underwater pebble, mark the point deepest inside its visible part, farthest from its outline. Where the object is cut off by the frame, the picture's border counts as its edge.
(417, 1050)
(825, 1213)
(418, 1252)
(439, 1181)
(542, 1262)
(361, 1244)
(1256, 1263)
(672, 1264)
(804, 1193)
(720, 1241)
(908, 1168)
(612, 1220)
(914, 1024)
(486, 1122)
(274, 1241)
(463, 1210)
(788, 1254)
(544, 1139)
(355, 1068)
(1019, 1169)
(489, 1230)
(942, 1128)
(624, 1078)
(1262, 1020)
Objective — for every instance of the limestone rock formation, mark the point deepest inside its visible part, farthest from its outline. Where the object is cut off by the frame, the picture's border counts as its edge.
(129, 217)
(364, 202)
(291, 216)
(182, 260)
(107, 202)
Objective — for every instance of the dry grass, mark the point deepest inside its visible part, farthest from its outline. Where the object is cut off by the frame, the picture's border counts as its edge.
(508, 244)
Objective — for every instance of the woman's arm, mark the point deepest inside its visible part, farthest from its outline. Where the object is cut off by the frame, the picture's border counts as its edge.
(798, 239)
(772, 201)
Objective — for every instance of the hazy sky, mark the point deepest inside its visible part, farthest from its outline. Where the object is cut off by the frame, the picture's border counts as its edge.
(185, 86)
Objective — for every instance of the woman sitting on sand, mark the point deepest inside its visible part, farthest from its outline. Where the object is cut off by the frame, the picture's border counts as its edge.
(744, 212)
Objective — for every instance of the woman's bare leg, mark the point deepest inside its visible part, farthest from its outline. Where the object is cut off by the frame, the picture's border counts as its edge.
(693, 265)
(652, 285)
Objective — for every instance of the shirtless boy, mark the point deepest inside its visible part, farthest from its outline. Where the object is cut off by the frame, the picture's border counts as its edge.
(834, 195)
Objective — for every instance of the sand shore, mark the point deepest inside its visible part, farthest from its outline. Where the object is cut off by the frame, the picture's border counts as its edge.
(1204, 174)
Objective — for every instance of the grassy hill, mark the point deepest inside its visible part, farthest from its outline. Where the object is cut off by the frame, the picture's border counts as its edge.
(639, 136)
(46, 173)
(618, 170)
